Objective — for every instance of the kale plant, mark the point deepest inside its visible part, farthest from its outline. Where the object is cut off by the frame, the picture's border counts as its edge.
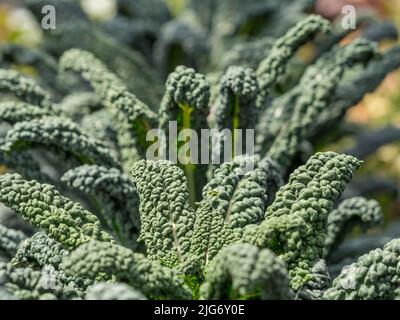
(93, 218)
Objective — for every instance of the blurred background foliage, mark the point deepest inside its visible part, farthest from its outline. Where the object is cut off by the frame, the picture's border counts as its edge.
(378, 110)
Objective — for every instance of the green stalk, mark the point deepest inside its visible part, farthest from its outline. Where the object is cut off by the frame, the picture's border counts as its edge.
(189, 168)
(235, 124)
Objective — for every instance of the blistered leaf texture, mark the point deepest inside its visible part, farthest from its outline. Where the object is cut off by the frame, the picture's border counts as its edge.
(43, 206)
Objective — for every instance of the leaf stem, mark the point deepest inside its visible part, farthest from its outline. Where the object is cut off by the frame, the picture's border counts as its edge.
(189, 168)
(235, 125)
